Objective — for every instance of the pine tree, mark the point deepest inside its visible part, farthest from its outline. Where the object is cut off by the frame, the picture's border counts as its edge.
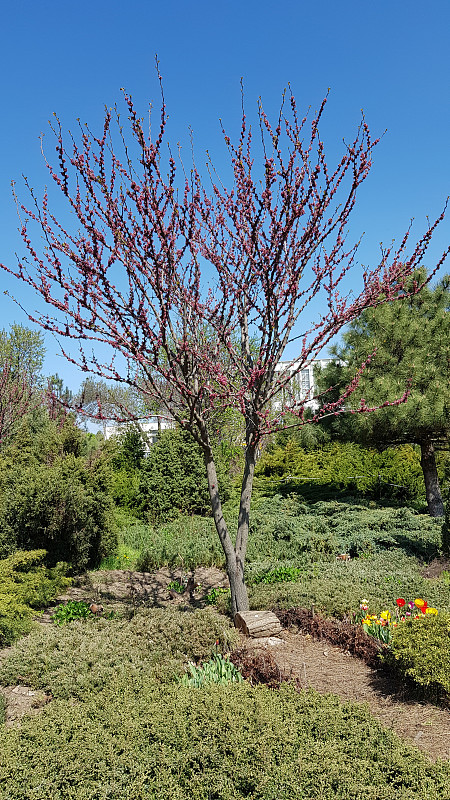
(405, 341)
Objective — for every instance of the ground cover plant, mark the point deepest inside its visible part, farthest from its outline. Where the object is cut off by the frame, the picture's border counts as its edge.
(156, 644)
(286, 529)
(336, 588)
(226, 742)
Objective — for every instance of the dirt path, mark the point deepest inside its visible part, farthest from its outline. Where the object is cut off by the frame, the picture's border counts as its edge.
(324, 667)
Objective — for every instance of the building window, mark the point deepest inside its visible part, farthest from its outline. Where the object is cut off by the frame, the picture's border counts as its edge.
(306, 381)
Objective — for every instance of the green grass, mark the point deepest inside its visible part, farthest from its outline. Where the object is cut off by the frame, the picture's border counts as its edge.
(186, 542)
(126, 558)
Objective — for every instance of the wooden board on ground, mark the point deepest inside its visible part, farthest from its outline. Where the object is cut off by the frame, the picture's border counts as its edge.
(258, 623)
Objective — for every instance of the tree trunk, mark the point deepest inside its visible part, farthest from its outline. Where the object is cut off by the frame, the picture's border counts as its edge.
(432, 488)
(234, 561)
(244, 514)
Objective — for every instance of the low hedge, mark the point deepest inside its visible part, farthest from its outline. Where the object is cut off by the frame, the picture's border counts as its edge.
(217, 743)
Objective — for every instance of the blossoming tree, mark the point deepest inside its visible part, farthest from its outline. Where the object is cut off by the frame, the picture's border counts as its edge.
(196, 288)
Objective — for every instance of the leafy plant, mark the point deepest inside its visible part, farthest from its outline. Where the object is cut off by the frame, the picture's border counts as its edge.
(217, 670)
(213, 596)
(177, 586)
(73, 609)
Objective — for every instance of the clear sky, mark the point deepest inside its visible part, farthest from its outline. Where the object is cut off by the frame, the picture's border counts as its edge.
(390, 58)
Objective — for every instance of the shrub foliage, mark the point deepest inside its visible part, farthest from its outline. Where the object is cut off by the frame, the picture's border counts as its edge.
(420, 650)
(218, 742)
(25, 586)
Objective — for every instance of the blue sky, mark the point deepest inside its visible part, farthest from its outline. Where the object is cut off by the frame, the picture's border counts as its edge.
(390, 58)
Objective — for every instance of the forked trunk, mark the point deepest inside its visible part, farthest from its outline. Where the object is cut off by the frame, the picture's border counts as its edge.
(432, 488)
(234, 559)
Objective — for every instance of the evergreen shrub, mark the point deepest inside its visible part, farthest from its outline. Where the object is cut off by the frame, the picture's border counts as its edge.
(126, 462)
(26, 585)
(420, 650)
(54, 496)
(223, 742)
(63, 508)
(173, 478)
(288, 529)
(446, 528)
(394, 473)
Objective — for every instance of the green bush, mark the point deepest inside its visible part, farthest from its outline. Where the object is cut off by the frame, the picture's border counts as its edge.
(154, 645)
(420, 650)
(173, 478)
(287, 531)
(63, 508)
(394, 473)
(220, 742)
(25, 585)
(281, 574)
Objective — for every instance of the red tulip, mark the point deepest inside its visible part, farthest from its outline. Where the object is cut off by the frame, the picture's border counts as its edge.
(400, 602)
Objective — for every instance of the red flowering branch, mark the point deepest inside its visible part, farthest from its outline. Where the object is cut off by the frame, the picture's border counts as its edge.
(188, 291)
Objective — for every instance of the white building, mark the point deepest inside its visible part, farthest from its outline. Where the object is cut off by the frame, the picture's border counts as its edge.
(151, 427)
(302, 386)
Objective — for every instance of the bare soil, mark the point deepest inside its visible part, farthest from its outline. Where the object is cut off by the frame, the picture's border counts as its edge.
(320, 665)
(437, 567)
(329, 670)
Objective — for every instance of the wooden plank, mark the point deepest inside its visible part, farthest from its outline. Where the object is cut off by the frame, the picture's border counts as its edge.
(257, 624)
